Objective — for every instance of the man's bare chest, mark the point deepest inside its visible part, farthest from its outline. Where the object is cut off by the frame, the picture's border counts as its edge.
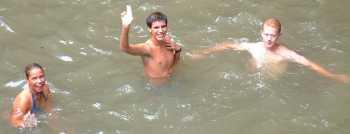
(161, 58)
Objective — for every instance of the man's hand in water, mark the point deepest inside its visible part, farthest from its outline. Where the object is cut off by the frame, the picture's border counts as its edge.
(126, 16)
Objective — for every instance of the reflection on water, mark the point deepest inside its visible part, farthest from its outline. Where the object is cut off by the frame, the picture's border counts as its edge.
(99, 89)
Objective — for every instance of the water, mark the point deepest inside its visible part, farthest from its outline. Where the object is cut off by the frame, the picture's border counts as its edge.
(98, 89)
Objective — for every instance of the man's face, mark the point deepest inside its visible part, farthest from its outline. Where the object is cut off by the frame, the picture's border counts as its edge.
(158, 30)
(269, 36)
(36, 80)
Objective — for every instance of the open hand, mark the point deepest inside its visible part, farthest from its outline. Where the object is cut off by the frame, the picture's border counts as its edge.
(126, 16)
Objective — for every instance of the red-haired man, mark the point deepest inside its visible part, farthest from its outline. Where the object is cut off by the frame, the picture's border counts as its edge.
(270, 55)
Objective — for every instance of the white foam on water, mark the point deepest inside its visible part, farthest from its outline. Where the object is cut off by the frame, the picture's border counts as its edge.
(126, 89)
(211, 29)
(63, 42)
(103, 52)
(124, 116)
(66, 42)
(15, 83)
(97, 105)
(83, 53)
(229, 76)
(3, 24)
(65, 58)
(151, 117)
(55, 90)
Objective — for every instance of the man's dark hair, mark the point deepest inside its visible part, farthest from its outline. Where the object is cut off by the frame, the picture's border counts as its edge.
(156, 16)
(30, 67)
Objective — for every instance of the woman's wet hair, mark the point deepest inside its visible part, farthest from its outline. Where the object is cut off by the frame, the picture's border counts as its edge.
(156, 16)
(30, 67)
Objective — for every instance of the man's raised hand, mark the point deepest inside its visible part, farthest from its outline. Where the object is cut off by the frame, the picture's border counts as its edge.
(126, 16)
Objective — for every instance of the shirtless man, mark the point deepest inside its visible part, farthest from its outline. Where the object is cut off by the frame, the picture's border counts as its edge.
(271, 55)
(35, 97)
(159, 54)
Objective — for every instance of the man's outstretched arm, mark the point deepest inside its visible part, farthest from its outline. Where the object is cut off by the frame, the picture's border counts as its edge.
(318, 68)
(322, 71)
(216, 49)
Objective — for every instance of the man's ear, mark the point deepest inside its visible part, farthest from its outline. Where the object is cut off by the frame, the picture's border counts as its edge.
(149, 29)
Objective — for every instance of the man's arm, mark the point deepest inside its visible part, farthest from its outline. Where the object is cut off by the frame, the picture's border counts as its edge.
(322, 71)
(127, 18)
(216, 49)
(317, 68)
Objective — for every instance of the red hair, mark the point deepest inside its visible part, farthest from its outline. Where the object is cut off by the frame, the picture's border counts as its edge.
(273, 22)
